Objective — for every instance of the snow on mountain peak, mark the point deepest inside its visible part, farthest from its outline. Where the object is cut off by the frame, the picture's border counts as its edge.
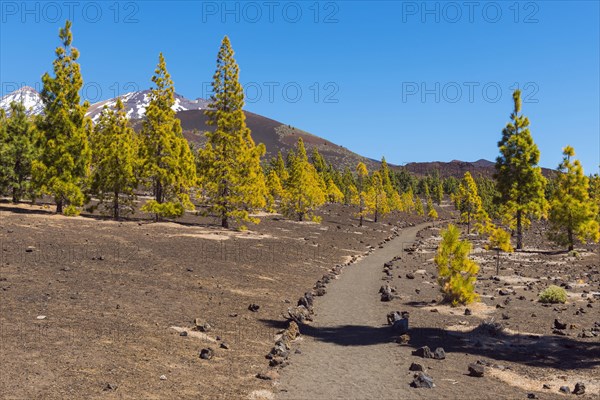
(26, 95)
(135, 103)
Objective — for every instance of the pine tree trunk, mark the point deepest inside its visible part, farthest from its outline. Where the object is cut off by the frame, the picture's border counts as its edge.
(15, 195)
(361, 220)
(519, 231)
(224, 221)
(116, 206)
(570, 237)
(468, 223)
(59, 206)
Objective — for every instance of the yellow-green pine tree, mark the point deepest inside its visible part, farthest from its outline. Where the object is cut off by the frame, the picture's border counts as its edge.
(468, 202)
(520, 181)
(419, 206)
(334, 194)
(431, 211)
(234, 180)
(303, 189)
(379, 197)
(63, 165)
(456, 272)
(361, 190)
(572, 212)
(168, 164)
(274, 189)
(115, 161)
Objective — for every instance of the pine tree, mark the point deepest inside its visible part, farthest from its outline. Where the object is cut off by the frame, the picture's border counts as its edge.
(594, 192)
(63, 164)
(572, 212)
(5, 159)
(274, 189)
(431, 211)
(18, 152)
(520, 181)
(361, 189)
(419, 206)
(168, 164)
(378, 197)
(393, 197)
(349, 190)
(456, 272)
(303, 190)
(234, 181)
(438, 193)
(115, 161)
(334, 194)
(408, 201)
(279, 167)
(468, 202)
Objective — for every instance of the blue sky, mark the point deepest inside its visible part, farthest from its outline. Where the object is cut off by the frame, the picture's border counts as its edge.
(414, 81)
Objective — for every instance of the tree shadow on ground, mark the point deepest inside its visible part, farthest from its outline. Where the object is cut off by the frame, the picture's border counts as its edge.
(557, 352)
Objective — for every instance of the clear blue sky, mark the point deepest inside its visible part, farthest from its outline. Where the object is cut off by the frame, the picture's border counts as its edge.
(414, 81)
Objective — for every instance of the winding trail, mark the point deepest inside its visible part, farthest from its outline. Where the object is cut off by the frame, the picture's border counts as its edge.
(346, 351)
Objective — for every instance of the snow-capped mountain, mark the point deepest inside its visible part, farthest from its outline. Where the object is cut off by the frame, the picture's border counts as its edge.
(30, 98)
(135, 103)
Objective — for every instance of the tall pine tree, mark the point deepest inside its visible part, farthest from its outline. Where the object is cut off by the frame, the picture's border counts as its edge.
(63, 165)
(520, 181)
(234, 180)
(572, 212)
(468, 202)
(18, 152)
(168, 164)
(115, 161)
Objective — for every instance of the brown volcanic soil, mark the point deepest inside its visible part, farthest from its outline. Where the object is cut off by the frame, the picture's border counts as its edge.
(349, 352)
(115, 294)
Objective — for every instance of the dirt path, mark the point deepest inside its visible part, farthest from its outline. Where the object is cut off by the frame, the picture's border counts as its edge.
(346, 351)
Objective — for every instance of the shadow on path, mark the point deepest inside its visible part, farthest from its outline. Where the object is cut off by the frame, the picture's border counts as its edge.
(538, 351)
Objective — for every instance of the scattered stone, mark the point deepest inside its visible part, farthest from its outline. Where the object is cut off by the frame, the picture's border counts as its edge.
(403, 339)
(505, 292)
(559, 324)
(564, 389)
(410, 275)
(424, 352)
(468, 311)
(298, 351)
(387, 293)
(29, 249)
(416, 367)
(559, 332)
(579, 388)
(40, 317)
(253, 307)
(233, 315)
(546, 386)
(439, 353)
(269, 375)
(421, 380)
(110, 386)
(531, 396)
(207, 354)
(163, 378)
(224, 346)
(183, 333)
(320, 291)
(476, 370)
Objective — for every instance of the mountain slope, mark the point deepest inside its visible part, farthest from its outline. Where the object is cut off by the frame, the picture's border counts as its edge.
(26, 95)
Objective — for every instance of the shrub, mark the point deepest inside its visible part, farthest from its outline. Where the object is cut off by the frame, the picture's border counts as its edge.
(553, 294)
(457, 273)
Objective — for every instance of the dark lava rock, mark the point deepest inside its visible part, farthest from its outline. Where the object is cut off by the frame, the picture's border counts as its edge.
(531, 396)
(439, 353)
(564, 389)
(270, 375)
(110, 386)
(476, 370)
(253, 307)
(416, 367)
(410, 275)
(579, 388)
(224, 346)
(559, 324)
(424, 352)
(320, 291)
(183, 333)
(421, 380)
(468, 311)
(400, 326)
(207, 354)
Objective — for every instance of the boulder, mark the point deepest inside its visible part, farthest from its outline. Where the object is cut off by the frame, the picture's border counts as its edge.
(253, 307)
(439, 353)
(416, 367)
(476, 370)
(579, 388)
(424, 352)
(421, 380)
(207, 354)
(558, 324)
